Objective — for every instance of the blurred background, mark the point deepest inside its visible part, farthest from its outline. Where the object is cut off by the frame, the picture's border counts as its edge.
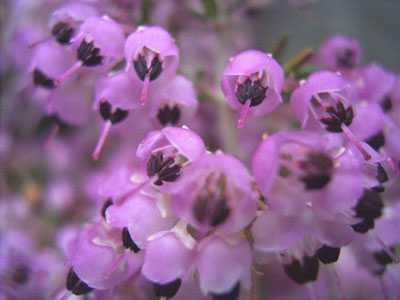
(374, 23)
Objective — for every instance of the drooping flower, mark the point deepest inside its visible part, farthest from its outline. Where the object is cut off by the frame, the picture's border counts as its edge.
(174, 103)
(224, 266)
(215, 192)
(100, 42)
(311, 189)
(339, 53)
(323, 96)
(116, 95)
(252, 82)
(99, 245)
(152, 55)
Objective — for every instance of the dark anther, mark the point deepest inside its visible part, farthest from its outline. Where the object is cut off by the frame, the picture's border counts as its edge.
(155, 68)
(41, 79)
(376, 141)
(303, 272)
(21, 274)
(48, 122)
(233, 294)
(116, 116)
(213, 211)
(166, 169)
(105, 110)
(89, 55)
(75, 285)
(106, 205)
(364, 226)
(140, 67)
(317, 169)
(220, 213)
(167, 290)
(142, 70)
(370, 205)
(62, 32)
(338, 116)
(379, 188)
(251, 90)
(387, 104)
(381, 174)
(346, 59)
(128, 242)
(169, 115)
(382, 257)
(327, 254)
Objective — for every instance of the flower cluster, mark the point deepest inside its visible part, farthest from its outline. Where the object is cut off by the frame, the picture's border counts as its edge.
(299, 198)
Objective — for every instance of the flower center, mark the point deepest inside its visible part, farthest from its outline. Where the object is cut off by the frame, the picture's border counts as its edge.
(312, 168)
(211, 205)
(251, 89)
(169, 115)
(148, 64)
(166, 168)
(346, 59)
(62, 32)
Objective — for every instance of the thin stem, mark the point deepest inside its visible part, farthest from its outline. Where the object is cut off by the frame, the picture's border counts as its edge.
(75, 67)
(356, 142)
(145, 91)
(244, 111)
(51, 135)
(102, 139)
(132, 192)
(338, 282)
(41, 41)
(311, 291)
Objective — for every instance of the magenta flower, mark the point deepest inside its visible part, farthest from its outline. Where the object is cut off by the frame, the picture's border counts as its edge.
(252, 82)
(174, 103)
(106, 248)
(339, 53)
(168, 257)
(49, 62)
(152, 53)
(100, 42)
(374, 83)
(215, 191)
(143, 216)
(323, 95)
(223, 266)
(65, 21)
(116, 95)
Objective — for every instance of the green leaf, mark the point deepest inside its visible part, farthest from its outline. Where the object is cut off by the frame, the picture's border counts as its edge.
(210, 8)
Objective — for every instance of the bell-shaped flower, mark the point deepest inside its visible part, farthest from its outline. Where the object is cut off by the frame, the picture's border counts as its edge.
(152, 55)
(252, 82)
(215, 191)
